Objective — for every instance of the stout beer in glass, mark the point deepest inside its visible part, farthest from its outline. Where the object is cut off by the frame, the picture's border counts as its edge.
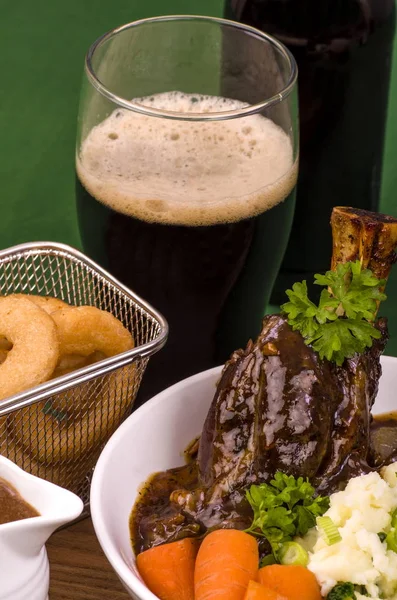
(187, 158)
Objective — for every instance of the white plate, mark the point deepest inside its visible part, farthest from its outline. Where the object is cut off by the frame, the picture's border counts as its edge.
(152, 439)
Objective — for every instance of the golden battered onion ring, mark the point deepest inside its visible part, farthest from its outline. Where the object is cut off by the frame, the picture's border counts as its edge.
(35, 346)
(61, 438)
(85, 329)
(73, 424)
(5, 345)
(47, 303)
(72, 362)
(70, 476)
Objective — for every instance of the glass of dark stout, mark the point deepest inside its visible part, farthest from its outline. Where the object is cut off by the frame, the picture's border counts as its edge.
(187, 159)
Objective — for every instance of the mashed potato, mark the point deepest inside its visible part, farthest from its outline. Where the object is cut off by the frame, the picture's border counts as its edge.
(360, 512)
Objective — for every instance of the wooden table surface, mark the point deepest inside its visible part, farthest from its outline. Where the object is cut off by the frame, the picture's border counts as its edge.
(78, 567)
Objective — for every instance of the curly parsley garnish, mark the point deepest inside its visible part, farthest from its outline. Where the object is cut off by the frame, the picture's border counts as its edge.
(342, 591)
(342, 323)
(284, 508)
(346, 591)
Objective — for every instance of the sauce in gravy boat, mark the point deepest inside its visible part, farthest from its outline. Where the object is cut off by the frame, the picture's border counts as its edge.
(24, 565)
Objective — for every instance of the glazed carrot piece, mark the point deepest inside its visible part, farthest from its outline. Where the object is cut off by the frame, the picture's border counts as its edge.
(226, 561)
(257, 591)
(168, 570)
(292, 581)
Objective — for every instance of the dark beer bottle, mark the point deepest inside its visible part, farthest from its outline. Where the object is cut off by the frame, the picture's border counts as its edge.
(343, 49)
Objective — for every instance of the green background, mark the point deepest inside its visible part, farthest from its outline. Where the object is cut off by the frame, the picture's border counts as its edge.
(42, 47)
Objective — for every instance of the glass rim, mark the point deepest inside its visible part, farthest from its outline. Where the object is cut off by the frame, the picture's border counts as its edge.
(250, 109)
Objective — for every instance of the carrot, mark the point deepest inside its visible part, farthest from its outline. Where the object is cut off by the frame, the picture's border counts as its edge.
(168, 570)
(226, 561)
(257, 591)
(293, 581)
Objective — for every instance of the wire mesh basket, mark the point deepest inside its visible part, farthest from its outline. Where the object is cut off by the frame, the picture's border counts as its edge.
(57, 430)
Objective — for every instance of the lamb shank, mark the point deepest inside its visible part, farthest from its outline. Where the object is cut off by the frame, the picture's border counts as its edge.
(277, 406)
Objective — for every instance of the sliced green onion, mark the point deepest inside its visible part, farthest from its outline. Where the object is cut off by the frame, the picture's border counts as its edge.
(391, 540)
(292, 553)
(267, 560)
(328, 530)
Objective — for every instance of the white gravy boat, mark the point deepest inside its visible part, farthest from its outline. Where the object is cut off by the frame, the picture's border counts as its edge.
(24, 569)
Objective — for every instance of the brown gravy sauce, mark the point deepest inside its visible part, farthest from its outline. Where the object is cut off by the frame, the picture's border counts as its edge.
(383, 438)
(155, 491)
(388, 416)
(12, 506)
(153, 496)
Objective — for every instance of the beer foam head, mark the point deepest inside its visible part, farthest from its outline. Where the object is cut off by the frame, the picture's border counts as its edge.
(187, 172)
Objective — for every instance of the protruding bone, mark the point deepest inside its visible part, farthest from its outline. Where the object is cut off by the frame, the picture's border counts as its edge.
(366, 236)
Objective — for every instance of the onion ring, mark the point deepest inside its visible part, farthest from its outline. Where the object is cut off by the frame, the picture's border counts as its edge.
(5, 345)
(72, 424)
(35, 346)
(70, 476)
(47, 303)
(72, 362)
(84, 330)
(64, 434)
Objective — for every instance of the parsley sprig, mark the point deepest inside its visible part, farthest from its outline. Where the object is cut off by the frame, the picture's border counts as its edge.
(284, 508)
(342, 323)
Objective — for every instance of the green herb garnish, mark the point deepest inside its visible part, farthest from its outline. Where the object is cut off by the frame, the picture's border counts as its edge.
(393, 522)
(342, 323)
(391, 540)
(267, 560)
(284, 508)
(58, 415)
(342, 591)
